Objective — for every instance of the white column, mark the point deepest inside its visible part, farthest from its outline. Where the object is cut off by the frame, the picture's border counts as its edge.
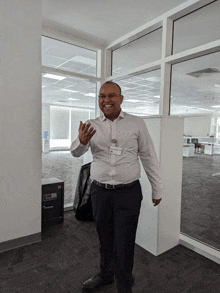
(166, 67)
(20, 119)
(103, 71)
(159, 227)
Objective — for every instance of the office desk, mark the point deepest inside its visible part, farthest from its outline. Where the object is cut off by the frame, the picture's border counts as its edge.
(209, 149)
(188, 150)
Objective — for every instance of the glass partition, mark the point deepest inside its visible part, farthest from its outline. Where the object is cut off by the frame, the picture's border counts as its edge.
(73, 93)
(195, 86)
(141, 93)
(139, 52)
(57, 54)
(197, 28)
(66, 99)
(195, 95)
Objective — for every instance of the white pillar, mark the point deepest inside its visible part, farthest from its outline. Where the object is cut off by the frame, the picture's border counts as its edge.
(166, 67)
(159, 227)
(20, 120)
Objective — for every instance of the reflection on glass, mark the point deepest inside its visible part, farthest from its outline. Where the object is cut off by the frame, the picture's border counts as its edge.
(68, 90)
(68, 57)
(141, 94)
(196, 86)
(64, 125)
(195, 95)
(66, 100)
(197, 28)
(139, 52)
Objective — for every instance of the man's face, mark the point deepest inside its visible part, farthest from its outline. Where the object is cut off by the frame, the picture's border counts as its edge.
(110, 100)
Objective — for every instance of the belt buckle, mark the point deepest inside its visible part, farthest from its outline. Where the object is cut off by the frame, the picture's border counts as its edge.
(106, 186)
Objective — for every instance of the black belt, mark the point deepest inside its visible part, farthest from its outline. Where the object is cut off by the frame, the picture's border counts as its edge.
(109, 186)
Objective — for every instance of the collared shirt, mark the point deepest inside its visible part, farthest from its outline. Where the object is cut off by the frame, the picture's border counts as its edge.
(131, 134)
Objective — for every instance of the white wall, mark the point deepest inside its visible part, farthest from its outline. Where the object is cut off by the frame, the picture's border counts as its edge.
(197, 126)
(20, 118)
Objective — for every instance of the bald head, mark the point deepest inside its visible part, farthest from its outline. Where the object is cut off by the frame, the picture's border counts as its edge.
(111, 82)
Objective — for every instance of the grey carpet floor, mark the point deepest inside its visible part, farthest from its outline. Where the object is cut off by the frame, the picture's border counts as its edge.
(69, 254)
(200, 217)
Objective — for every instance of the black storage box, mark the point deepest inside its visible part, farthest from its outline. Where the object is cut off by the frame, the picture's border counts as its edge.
(52, 201)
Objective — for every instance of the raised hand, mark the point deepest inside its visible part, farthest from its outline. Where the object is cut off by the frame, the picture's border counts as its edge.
(85, 133)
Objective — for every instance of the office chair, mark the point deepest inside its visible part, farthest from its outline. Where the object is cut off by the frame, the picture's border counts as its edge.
(196, 144)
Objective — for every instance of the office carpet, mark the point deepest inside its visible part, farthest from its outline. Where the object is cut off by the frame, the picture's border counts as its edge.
(200, 216)
(69, 254)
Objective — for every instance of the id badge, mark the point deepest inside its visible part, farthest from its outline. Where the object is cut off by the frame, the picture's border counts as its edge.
(115, 150)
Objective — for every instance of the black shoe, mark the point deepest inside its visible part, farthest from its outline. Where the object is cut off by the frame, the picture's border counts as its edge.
(95, 283)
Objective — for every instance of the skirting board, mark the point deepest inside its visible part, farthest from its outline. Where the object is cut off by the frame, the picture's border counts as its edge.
(205, 250)
(68, 207)
(18, 242)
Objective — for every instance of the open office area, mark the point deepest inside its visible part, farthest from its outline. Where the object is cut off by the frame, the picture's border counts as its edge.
(55, 55)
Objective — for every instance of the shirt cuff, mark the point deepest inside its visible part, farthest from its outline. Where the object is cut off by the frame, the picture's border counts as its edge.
(77, 149)
(157, 194)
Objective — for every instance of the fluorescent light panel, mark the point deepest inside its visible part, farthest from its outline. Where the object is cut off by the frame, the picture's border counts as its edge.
(53, 76)
(71, 91)
(90, 95)
(133, 101)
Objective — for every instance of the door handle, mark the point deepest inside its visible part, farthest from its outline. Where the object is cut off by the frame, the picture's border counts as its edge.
(47, 208)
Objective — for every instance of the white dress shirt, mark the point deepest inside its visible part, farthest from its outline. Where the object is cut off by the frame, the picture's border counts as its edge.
(131, 134)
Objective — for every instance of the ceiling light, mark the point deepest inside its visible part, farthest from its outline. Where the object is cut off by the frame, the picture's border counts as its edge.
(204, 109)
(57, 77)
(159, 96)
(71, 91)
(133, 101)
(217, 85)
(73, 99)
(90, 95)
(217, 106)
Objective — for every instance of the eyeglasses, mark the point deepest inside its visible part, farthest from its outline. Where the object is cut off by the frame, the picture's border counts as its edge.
(111, 96)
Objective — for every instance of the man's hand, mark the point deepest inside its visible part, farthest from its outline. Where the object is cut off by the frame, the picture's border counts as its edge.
(156, 201)
(85, 134)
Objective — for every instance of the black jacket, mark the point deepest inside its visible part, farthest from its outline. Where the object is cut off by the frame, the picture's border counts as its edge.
(82, 205)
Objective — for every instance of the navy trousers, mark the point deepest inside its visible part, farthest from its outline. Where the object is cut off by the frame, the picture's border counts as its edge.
(116, 213)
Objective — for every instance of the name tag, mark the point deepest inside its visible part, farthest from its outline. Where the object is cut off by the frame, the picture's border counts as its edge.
(115, 150)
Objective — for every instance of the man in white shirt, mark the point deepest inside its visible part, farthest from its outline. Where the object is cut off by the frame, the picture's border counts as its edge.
(117, 139)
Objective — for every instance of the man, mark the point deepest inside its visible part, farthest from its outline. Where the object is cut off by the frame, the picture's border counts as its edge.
(116, 140)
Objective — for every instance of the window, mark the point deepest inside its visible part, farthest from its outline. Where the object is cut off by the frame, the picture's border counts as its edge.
(66, 100)
(141, 93)
(197, 28)
(195, 86)
(139, 52)
(57, 54)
